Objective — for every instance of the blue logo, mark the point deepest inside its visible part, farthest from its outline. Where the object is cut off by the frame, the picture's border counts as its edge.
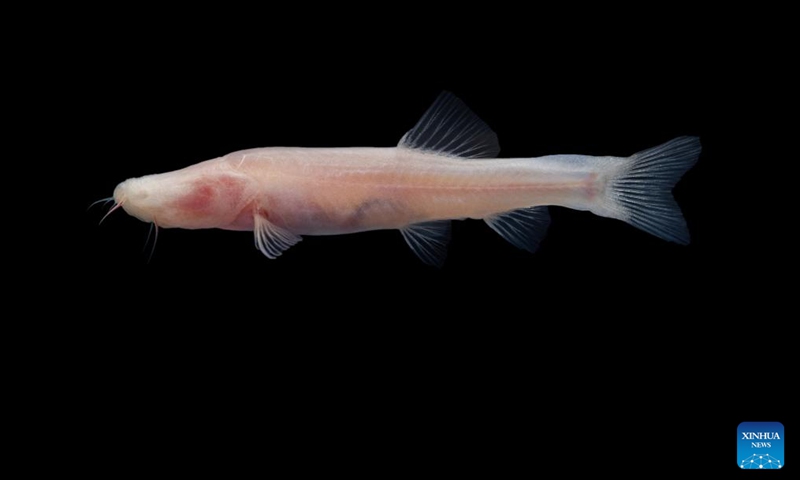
(760, 445)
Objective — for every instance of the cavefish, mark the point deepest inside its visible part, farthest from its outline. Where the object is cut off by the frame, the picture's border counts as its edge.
(445, 168)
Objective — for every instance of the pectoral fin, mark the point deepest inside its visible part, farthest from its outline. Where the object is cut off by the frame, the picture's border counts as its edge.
(271, 239)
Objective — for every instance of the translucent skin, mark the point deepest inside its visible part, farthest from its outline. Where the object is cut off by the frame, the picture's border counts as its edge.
(341, 190)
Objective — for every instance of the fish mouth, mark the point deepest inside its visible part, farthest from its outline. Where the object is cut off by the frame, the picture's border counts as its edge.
(131, 197)
(119, 193)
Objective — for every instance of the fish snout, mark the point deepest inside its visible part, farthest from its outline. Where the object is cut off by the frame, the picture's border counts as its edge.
(133, 196)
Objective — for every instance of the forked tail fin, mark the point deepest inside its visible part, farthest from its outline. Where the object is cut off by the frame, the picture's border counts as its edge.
(639, 191)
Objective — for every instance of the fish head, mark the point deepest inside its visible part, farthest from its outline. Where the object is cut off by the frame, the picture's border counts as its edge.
(188, 198)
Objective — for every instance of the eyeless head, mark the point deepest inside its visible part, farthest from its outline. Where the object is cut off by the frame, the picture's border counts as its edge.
(183, 199)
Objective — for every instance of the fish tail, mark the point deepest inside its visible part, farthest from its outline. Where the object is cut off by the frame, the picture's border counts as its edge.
(639, 190)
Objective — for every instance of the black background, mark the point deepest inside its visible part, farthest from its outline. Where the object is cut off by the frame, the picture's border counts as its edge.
(607, 349)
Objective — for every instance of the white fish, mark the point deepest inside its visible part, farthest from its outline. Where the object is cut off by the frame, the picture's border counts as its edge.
(443, 169)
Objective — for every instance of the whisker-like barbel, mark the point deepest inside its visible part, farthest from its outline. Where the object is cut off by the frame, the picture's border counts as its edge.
(147, 240)
(109, 212)
(103, 200)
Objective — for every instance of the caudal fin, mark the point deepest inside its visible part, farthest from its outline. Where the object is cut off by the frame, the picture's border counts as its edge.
(640, 190)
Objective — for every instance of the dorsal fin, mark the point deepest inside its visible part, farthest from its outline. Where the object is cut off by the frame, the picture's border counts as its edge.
(450, 128)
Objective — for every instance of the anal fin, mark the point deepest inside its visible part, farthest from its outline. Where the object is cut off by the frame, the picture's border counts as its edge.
(524, 228)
